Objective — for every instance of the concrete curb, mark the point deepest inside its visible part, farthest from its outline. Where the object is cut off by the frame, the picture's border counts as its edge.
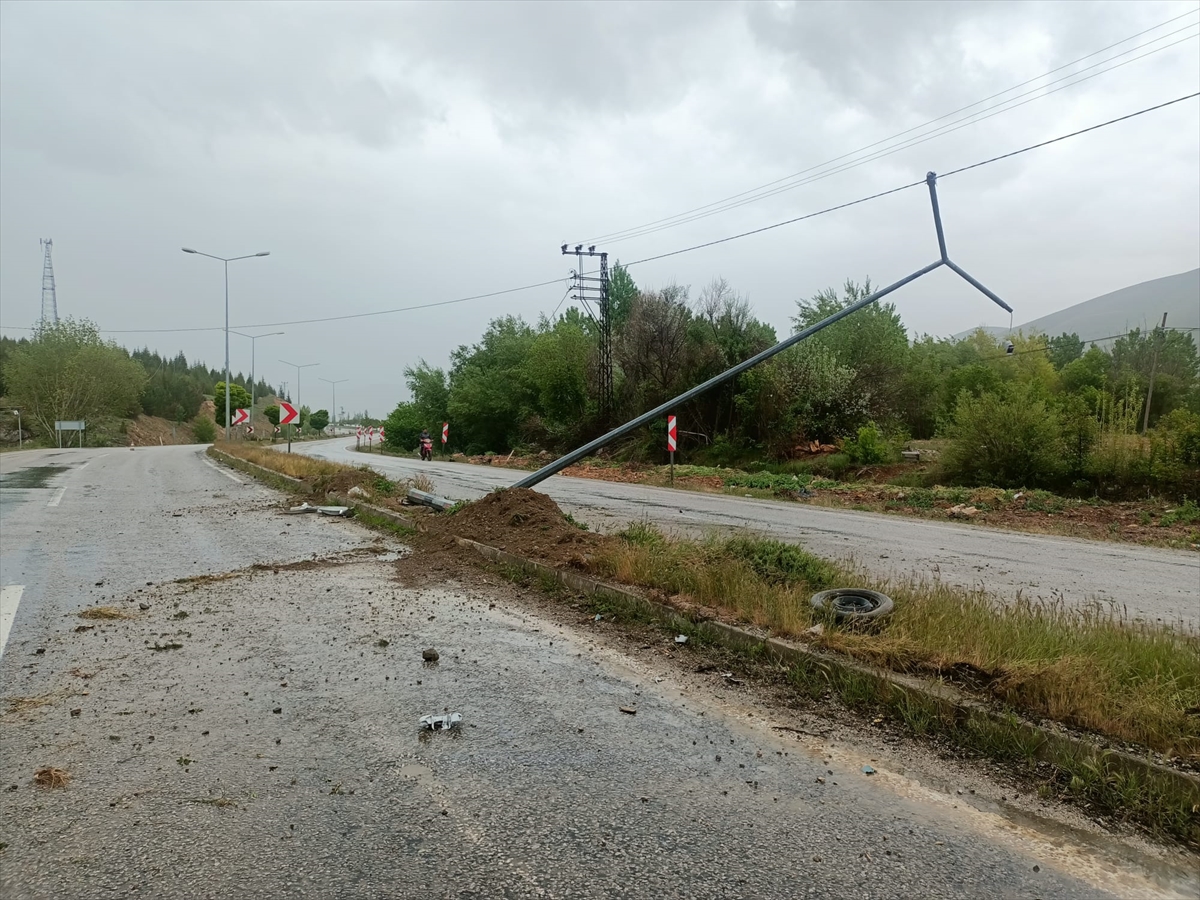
(1048, 745)
(275, 479)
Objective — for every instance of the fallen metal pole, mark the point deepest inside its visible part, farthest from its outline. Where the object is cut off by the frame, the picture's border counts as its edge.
(647, 417)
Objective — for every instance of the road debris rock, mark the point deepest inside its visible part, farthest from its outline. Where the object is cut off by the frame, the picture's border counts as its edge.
(629, 710)
(430, 655)
(961, 511)
(681, 638)
(357, 491)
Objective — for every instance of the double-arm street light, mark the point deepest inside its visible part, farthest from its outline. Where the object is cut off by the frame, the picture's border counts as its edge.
(297, 368)
(227, 260)
(334, 384)
(253, 344)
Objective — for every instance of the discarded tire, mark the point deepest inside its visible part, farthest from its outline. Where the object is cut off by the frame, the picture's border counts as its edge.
(853, 604)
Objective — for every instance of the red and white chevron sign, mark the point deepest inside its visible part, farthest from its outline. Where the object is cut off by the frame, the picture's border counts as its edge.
(445, 432)
(381, 432)
(240, 417)
(288, 414)
(671, 434)
(359, 432)
(371, 433)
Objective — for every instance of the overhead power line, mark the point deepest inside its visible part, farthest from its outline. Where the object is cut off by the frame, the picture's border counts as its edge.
(779, 185)
(941, 131)
(733, 237)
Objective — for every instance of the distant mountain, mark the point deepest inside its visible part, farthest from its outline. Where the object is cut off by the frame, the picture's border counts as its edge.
(1138, 306)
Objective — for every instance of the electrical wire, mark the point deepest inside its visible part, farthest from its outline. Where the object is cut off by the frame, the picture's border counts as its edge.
(942, 131)
(541, 284)
(1111, 337)
(669, 221)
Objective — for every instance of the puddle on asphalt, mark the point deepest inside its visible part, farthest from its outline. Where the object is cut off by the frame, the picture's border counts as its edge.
(33, 477)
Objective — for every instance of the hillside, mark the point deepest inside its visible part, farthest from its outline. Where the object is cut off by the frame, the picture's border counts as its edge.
(1137, 306)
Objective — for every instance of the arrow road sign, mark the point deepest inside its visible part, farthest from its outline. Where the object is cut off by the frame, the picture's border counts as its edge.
(288, 414)
(671, 434)
(277, 429)
(249, 429)
(241, 416)
(445, 432)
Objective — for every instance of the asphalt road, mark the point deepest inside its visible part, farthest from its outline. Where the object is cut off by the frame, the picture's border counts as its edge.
(253, 732)
(1145, 582)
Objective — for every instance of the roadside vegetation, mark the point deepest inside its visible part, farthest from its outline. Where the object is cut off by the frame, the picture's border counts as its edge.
(67, 371)
(1056, 414)
(1091, 668)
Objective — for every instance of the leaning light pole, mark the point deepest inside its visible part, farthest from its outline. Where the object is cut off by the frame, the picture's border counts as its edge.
(297, 368)
(333, 385)
(647, 417)
(227, 260)
(253, 345)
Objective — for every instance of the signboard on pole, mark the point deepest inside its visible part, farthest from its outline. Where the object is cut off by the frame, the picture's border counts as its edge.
(672, 442)
(288, 414)
(277, 429)
(240, 417)
(249, 429)
(445, 432)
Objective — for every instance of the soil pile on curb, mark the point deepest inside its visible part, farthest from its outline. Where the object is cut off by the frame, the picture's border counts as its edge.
(522, 522)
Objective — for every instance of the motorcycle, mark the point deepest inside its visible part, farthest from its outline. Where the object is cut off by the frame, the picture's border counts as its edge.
(427, 448)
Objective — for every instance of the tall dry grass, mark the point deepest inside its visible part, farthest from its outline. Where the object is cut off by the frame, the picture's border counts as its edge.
(1090, 668)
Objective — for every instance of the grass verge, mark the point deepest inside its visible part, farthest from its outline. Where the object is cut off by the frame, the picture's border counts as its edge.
(1089, 668)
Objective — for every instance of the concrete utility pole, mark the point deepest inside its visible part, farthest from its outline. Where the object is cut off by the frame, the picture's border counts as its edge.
(1162, 333)
(227, 261)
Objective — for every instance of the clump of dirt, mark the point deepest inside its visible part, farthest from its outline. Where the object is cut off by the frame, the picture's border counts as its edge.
(522, 522)
(105, 612)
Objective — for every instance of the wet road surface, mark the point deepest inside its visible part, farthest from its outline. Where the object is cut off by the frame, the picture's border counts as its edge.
(253, 733)
(1149, 583)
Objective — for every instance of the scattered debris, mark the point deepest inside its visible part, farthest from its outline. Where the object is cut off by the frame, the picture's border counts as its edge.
(867, 770)
(424, 498)
(357, 491)
(729, 679)
(79, 629)
(430, 655)
(381, 643)
(629, 710)
(817, 630)
(176, 515)
(158, 648)
(143, 606)
(853, 604)
(597, 617)
(49, 776)
(960, 511)
(343, 511)
(77, 712)
(277, 710)
(681, 638)
(440, 723)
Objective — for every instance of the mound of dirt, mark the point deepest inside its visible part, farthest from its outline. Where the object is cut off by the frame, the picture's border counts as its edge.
(522, 522)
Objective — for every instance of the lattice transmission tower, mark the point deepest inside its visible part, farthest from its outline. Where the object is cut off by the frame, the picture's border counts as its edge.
(49, 300)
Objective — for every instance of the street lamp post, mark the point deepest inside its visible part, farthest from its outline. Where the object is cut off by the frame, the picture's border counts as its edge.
(253, 344)
(334, 384)
(20, 433)
(297, 368)
(227, 260)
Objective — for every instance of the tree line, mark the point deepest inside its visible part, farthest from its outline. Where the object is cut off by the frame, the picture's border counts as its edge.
(1048, 411)
(67, 371)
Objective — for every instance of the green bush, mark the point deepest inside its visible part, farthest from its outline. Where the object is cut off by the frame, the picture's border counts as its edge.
(778, 563)
(204, 430)
(1009, 439)
(869, 448)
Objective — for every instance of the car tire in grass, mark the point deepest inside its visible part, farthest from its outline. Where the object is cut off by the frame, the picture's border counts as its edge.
(853, 604)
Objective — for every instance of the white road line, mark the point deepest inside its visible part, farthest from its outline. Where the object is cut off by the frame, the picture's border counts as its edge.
(10, 599)
(84, 466)
(57, 498)
(227, 474)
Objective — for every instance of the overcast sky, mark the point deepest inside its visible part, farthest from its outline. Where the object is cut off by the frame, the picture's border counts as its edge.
(391, 155)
